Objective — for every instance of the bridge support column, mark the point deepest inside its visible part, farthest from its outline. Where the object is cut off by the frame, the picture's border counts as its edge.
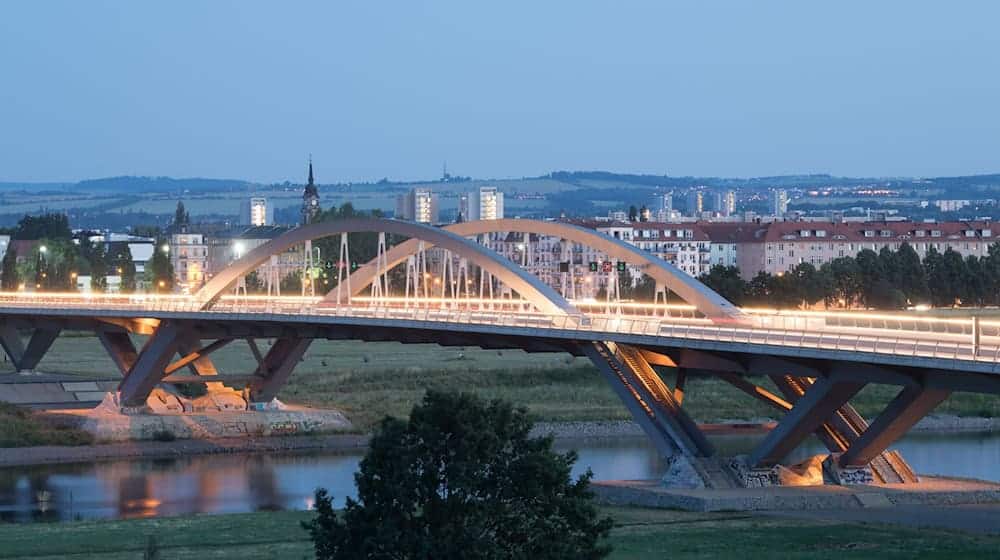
(654, 407)
(909, 406)
(121, 349)
(26, 358)
(277, 366)
(821, 400)
(149, 367)
(10, 340)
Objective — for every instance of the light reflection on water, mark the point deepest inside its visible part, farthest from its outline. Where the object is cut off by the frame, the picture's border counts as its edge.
(242, 483)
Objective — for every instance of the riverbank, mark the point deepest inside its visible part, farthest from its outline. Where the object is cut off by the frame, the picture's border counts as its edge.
(561, 431)
(638, 533)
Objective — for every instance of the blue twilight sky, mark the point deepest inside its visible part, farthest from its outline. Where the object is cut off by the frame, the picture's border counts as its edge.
(247, 89)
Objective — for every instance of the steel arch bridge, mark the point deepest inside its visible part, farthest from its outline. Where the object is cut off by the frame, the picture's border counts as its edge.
(817, 362)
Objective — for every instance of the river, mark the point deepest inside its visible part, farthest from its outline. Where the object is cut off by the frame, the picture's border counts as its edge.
(256, 482)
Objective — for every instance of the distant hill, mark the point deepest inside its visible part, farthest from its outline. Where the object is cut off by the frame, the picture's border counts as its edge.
(160, 184)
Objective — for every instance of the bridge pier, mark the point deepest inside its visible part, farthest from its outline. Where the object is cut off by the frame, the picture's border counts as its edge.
(275, 368)
(26, 358)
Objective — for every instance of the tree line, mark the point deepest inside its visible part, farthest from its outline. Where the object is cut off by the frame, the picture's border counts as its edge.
(58, 259)
(884, 280)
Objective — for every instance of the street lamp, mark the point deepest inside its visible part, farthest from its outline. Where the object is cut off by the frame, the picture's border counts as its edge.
(165, 248)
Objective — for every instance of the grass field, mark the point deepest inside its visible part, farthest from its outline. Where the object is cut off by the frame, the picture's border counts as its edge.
(639, 533)
(370, 380)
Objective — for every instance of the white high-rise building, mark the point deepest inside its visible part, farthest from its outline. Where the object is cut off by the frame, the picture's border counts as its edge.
(728, 203)
(667, 202)
(256, 212)
(418, 205)
(779, 202)
(484, 203)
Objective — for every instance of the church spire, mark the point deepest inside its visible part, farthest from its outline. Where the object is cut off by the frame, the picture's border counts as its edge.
(310, 198)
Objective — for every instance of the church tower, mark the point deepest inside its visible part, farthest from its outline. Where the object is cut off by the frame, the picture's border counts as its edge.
(310, 199)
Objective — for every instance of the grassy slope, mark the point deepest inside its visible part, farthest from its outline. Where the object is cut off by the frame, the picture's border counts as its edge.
(19, 429)
(641, 533)
(370, 380)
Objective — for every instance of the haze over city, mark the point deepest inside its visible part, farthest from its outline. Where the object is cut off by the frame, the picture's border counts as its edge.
(246, 90)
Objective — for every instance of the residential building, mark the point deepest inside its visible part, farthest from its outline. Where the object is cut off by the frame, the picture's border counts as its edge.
(695, 202)
(189, 257)
(255, 211)
(418, 205)
(779, 202)
(484, 203)
(728, 203)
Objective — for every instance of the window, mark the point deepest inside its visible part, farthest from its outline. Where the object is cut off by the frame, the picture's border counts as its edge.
(885, 233)
(935, 233)
(921, 233)
(986, 233)
(970, 233)
(821, 233)
(869, 233)
(804, 233)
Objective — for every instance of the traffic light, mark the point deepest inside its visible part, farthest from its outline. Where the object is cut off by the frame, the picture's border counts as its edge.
(564, 266)
(621, 266)
(328, 265)
(606, 266)
(593, 266)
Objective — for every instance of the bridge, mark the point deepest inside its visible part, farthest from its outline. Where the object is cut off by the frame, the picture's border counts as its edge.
(817, 360)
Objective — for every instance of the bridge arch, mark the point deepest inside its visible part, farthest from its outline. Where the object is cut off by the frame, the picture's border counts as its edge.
(706, 300)
(530, 287)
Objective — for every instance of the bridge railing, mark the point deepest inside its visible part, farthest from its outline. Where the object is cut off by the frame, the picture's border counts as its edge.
(905, 335)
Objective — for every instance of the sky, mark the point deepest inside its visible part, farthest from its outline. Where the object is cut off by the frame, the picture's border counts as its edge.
(248, 89)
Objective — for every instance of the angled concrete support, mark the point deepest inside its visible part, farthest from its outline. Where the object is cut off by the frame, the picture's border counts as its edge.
(277, 366)
(820, 401)
(650, 401)
(909, 406)
(121, 349)
(10, 340)
(756, 391)
(26, 358)
(149, 368)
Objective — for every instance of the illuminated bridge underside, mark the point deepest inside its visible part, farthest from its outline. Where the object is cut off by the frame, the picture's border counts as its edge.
(817, 369)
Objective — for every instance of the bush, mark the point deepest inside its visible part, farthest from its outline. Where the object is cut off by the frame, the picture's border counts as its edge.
(462, 479)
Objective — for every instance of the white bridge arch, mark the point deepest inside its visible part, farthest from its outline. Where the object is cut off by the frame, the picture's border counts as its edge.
(707, 301)
(530, 287)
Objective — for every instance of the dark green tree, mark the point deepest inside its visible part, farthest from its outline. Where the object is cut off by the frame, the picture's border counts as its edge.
(974, 282)
(870, 270)
(807, 284)
(845, 280)
(908, 274)
(9, 279)
(124, 267)
(726, 281)
(159, 269)
(462, 479)
(45, 226)
(760, 290)
(181, 216)
(633, 213)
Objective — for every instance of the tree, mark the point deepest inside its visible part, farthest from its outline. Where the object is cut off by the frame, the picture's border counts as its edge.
(807, 284)
(181, 216)
(125, 268)
(46, 226)
(726, 281)
(845, 280)
(908, 274)
(9, 279)
(160, 270)
(462, 479)
(633, 213)
(870, 270)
